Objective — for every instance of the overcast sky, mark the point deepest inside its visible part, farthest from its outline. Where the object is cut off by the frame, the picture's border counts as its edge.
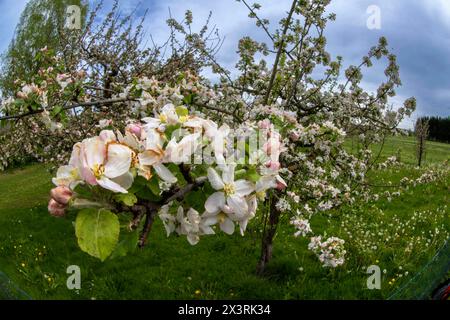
(418, 31)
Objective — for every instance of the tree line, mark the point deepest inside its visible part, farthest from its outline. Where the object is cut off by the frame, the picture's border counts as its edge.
(438, 128)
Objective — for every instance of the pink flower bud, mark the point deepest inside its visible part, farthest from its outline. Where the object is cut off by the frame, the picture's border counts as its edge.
(275, 135)
(61, 195)
(280, 186)
(104, 123)
(135, 129)
(264, 124)
(56, 209)
(22, 95)
(272, 146)
(273, 165)
(294, 136)
(35, 89)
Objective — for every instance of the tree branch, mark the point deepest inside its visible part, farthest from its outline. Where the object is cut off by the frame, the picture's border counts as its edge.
(72, 106)
(280, 49)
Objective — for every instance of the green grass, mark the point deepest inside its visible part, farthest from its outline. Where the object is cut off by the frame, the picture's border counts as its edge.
(405, 147)
(36, 249)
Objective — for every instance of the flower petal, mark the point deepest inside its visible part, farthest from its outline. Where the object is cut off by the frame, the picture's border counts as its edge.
(206, 229)
(151, 123)
(107, 136)
(193, 216)
(193, 239)
(164, 173)
(243, 226)
(75, 156)
(125, 180)
(169, 226)
(149, 157)
(239, 206)
(94, 151)
(210, 221)
(228, 173)
(65, 176)
(119, 160)
(215, 179)
(154, 140)
(187, 146)
(87, 175)
(215, 202)
(194, 122)
(266, 182)
(252, 206)
(227, 226)
(244, 187)
(108, 184)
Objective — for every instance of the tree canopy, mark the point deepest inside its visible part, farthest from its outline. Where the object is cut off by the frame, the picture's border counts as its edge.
(41, 25)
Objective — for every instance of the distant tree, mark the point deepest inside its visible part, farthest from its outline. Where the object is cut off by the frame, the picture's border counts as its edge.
(421, 130)
(439, 128)
(40, 25)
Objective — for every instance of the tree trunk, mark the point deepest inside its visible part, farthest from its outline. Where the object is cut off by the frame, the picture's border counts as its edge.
(420, 152)
(267, 239)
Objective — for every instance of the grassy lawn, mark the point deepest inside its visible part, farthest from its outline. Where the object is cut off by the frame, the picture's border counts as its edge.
(36, 249)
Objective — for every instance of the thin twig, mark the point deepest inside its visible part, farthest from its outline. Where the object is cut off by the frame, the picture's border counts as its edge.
(72, 106)
(280, 50)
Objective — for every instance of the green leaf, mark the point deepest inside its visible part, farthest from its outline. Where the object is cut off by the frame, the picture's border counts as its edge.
(84, 191)
(170, 129)
(240, 174)
(189, 99)
(177, 173)
(153, 185)
(127, 199)
(208, 189)
(253, 175)
(182, 111)
(199, 170)
(147, 194)
(19, 102)
(138, 184)
(55, 111)
(97, 232)
(127, 244)
(196, 200)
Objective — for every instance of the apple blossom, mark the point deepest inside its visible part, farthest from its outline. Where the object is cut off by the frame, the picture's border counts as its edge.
(56, 209)
(61, 195)
(229, 193)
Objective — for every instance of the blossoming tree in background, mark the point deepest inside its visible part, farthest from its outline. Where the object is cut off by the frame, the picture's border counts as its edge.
(148, 136)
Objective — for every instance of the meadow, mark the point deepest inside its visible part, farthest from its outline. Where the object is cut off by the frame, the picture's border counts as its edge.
(399, 232)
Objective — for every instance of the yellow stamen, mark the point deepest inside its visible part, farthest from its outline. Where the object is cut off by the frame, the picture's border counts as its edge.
(98, 170)
(229, 189)
(134, 159)
(221, 217)
(163, 118)
(261, 195)
(183, 119)
(74, 173)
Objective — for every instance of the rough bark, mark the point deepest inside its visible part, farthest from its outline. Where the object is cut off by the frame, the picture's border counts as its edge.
(267, 239)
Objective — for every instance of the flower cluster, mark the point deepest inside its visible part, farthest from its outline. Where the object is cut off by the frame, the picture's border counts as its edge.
(302, 226)
(175, 152)
(330, 252)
